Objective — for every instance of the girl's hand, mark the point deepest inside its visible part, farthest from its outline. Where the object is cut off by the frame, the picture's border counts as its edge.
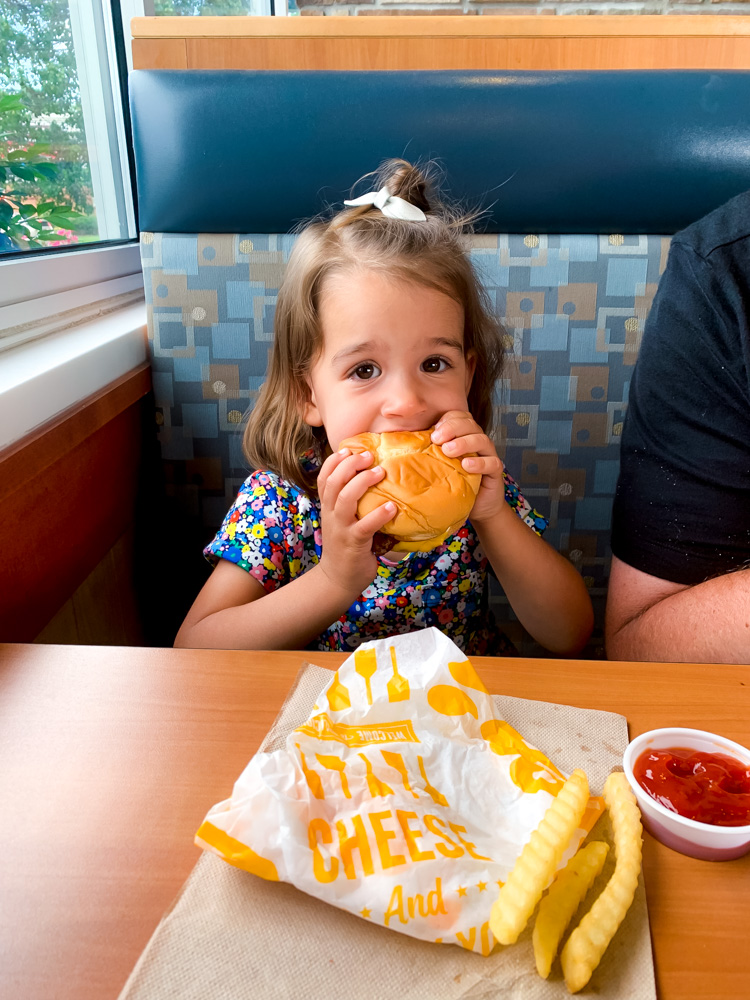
(460, 434)
(347, 558)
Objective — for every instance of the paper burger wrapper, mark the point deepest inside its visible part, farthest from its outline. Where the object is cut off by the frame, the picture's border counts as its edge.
(403, 798)
(235, 934)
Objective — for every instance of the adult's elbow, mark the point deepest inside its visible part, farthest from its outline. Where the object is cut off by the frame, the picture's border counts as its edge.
(626, 638)
(618, 642)
(185, 638)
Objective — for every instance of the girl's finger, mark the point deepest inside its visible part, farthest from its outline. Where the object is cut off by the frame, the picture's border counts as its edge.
(452, 425)
(352, 492)
(375, 520)
(453, 415)
(488, 465)
(331, 463)
(342, 473)
(477, 443)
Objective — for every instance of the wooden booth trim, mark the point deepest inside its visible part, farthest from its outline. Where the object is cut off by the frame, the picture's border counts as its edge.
(67, 494)
(440, 42)
(487, 26)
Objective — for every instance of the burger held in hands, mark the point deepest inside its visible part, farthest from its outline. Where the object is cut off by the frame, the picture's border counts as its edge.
(433, 493)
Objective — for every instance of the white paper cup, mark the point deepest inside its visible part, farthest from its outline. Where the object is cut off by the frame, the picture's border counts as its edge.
(688, 836)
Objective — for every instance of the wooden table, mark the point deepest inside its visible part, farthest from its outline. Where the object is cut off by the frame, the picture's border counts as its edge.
(110, 758)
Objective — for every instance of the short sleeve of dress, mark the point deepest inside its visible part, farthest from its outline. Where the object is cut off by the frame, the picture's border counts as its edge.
(515, 499)
(271, 530)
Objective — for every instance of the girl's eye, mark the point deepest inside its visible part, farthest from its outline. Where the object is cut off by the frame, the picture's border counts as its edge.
(433, 365)
(365, 372)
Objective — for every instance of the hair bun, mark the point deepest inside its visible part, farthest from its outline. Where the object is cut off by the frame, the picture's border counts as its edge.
(404, 180)
(434, 494)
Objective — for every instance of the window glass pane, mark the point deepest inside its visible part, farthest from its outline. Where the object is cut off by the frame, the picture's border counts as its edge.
(174, 8)
(63, 167)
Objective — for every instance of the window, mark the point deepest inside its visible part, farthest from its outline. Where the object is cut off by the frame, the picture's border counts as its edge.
(68, 227)
(173, 8)
(64, 171)
(63, 154)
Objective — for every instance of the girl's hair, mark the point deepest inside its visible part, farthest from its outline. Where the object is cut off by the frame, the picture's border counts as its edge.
(431, 253)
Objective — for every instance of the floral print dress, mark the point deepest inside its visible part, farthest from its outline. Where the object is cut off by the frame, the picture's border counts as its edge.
(273, 532)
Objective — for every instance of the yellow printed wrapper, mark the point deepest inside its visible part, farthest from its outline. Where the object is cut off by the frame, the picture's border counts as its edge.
(402, 799)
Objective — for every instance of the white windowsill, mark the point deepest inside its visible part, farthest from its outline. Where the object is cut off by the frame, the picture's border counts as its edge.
(42, 378)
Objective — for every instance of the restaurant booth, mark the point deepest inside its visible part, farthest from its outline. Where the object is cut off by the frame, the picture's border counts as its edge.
(584, 150)
(586, 143)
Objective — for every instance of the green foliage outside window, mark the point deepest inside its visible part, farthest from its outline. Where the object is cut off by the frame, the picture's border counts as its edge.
(187, 8)
(46, 193)
(45, 182)
(30, 224)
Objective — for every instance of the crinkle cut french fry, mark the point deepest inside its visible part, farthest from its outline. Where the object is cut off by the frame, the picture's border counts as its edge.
(563, 899)
(586, 945)
(535, 866)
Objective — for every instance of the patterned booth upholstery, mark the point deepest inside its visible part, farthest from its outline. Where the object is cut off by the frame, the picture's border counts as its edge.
(573, 302)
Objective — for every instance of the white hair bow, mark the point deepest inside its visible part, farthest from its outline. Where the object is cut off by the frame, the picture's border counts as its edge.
(390, 205)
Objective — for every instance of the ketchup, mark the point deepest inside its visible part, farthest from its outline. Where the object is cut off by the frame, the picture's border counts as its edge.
(708, 787)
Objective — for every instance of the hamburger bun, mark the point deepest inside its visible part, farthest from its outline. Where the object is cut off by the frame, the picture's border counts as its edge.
(433, 493)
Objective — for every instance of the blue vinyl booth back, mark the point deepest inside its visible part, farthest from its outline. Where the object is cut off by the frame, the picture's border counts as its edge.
(584, 177)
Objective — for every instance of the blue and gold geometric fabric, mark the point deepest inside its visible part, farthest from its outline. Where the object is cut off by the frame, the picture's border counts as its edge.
(573, 308)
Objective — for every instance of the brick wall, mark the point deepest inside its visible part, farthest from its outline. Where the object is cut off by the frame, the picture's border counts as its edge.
(412, 7)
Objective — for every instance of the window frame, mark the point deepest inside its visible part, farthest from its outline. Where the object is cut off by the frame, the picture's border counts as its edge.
(41, 295)
(43, 291)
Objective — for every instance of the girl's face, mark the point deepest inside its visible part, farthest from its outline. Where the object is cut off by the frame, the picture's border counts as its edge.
(392, 357)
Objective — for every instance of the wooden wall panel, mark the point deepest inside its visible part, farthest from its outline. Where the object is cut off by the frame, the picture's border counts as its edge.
(104, 610)
(67, 494)
(463, 53)
(489, 42)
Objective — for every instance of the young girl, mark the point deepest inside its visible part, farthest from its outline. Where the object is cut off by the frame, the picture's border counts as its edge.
(380, 325)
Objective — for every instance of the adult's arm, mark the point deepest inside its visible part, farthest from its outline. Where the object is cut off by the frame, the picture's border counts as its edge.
(679, 589)
(653, 619)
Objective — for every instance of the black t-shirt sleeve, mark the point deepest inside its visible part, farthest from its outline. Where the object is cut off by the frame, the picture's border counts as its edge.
(682, 506)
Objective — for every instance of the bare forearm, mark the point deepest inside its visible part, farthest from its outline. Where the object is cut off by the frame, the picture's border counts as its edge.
(545, 591)
(287, 618)
(707, 623)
